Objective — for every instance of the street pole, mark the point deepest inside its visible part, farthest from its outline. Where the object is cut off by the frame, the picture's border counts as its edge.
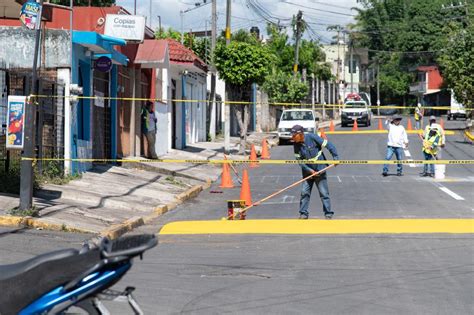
(181, 13)
(351, 69)
(134, 7)
(378, 87)
(212, 95)
(26, 168)
(299, 16)
(312, 92)
(159, 24)
(151, 11)
(226, 105)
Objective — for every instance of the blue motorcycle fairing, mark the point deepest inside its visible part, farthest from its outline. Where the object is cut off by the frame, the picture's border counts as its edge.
(89, 284)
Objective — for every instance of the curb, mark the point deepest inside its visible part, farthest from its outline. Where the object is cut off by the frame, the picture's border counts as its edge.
(10, 220)
(113, 231)
(118, 230)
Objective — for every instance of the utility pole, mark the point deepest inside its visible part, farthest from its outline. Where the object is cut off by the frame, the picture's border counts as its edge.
(351, 69)
(378, 87)
(26, 168)
(159, 24)
(181, 13)
(312, 92)
(226, 105)
(299, 18)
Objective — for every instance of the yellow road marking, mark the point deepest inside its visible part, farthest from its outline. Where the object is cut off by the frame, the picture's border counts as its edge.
(285, 226)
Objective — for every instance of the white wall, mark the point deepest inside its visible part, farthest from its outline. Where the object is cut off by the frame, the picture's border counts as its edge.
(163, 115)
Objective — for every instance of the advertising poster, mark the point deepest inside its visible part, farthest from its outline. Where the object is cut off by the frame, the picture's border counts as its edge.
(16, 122)
(30, 15)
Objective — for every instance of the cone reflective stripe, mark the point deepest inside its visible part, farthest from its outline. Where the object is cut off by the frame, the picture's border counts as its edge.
(245, 193)
(331, 126)
(265, 153)
(226, 178)
(253, 157)
(409, 126)
(380, 124)
(355, 127)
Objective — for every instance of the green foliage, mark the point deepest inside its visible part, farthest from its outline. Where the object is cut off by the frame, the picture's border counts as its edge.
(285, 87)
(457, 64)
(169, 33)
(241, 63)
(85, 3)
(32, 212)
(407, 26)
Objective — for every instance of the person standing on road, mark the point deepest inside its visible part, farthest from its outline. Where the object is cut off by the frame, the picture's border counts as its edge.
(397, 141)
(149, 128)
(419, 112)
(430, 150)
(310, 147)
(433, 125)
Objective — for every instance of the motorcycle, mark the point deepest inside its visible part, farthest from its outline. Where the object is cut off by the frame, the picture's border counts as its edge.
(71, 280)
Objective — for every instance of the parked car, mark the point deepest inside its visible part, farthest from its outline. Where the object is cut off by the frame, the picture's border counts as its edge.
(291, 117)
(457, 109)
(356, 110)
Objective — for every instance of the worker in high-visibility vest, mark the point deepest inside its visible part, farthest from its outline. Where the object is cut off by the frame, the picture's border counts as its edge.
(310, 147)
(431, 143)
(434, 125)
(419, 112)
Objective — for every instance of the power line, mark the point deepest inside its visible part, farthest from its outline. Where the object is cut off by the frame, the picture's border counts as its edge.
(321, 10)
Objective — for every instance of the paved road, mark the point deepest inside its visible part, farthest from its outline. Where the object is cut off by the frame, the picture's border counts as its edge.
(310, 274)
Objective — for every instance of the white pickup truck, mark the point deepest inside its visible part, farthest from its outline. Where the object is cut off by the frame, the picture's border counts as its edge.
(356, 110)
(457, 109)
(291, 117)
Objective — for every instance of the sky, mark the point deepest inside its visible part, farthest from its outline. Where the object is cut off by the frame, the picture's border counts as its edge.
(244, 16)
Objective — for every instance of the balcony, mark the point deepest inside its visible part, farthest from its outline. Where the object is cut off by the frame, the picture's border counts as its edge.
(418, 88)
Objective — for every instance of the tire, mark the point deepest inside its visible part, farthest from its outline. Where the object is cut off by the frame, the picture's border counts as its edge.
(281, 141)
(343, 125)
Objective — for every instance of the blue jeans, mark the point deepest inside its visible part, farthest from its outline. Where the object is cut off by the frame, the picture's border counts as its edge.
(398, 154)
(322, 184)
(417, 124)
(428, 157)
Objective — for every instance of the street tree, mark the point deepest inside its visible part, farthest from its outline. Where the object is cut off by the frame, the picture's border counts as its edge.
(240, 64)
(457, 64)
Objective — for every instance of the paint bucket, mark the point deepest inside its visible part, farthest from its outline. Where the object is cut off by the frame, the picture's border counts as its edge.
(440, 170)
(234, 209)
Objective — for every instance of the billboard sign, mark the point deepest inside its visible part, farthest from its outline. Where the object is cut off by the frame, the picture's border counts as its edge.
(16, 122)
(128, 27)
(30, 15)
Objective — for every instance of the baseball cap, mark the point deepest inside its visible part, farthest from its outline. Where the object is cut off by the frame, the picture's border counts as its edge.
(432, 118)
(396, 117)
(297, 129)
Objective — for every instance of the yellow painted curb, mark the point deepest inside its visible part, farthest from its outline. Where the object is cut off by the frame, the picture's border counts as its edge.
(469, 135)
(367, 226)
(38, 223)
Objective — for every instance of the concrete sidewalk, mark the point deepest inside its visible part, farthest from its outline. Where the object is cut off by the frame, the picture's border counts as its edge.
(112, 200)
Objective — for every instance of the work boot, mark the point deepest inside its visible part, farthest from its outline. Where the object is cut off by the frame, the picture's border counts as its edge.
(303, 216)
(329, 215)
(431, 175)
(424, 174)
(399, 174)
(384, 174)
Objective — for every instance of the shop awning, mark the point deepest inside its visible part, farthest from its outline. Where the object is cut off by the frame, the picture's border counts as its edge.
(152, 53)
(101, 45)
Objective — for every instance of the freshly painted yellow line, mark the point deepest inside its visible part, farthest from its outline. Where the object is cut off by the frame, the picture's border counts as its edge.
(362, 132)
(283, 226)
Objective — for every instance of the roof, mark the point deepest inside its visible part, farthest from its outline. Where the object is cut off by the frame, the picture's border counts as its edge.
(152, 52)
(179, 54)
(100, 44)
(427, 68)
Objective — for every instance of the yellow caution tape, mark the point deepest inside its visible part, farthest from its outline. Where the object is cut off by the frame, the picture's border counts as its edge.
(162, 100)
(362, 132)
(271, 162)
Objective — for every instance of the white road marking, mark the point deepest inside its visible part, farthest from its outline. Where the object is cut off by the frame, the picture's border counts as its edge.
(340, 181)
(408, 155)
(451, 193)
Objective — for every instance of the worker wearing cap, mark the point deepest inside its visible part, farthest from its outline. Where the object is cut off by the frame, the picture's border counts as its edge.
(310, 147)
(433, 125)
(397, 141)
(430, 150)
(419, 112)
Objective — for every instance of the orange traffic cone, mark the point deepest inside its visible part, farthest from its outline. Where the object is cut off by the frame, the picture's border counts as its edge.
(322, 134)
(265, 153)
(380, 124)
(245, 190)
(331, 126)
(226, 179)
(409, 126)
(441, 123)
(355, 127)
(253, 157)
